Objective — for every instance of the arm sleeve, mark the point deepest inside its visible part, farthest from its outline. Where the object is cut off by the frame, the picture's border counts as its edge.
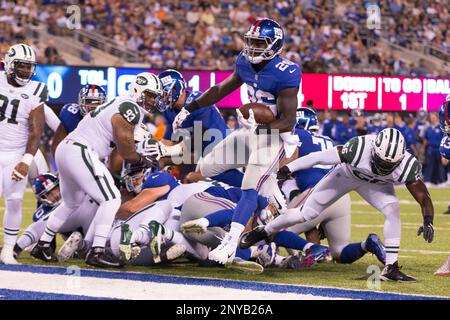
(326, 157)
(51, 118)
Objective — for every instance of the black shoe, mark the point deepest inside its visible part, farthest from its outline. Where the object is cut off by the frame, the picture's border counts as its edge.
(448, 211)
(251, 237)
(209, 263)
(392, 273)
(98, 257)
(43, 251)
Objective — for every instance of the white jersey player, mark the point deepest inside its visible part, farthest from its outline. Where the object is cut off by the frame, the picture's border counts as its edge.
(81, 170)
(21, 122)
(370, 165)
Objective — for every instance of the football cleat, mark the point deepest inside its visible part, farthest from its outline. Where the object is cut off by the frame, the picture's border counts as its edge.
(392, 273)
(376, 247)
(157, 237)
(318, 252)
(125, 242)
(69, 247)
(444, 270)
(225, 252)
(244, 266)
(251, 237)
(198, 226)
(297, 261)
(266, 254)
(43, 251)
(7, 255)
(448, 211)
(173, 252)
(99, 257)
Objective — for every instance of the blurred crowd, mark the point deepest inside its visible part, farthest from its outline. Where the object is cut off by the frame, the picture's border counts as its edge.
(321, 35)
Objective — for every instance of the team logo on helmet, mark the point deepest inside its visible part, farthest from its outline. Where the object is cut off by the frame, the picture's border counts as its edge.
(140, 80)
(11, 52)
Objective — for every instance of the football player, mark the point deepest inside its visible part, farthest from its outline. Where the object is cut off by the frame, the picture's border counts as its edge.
(335, 220)
(444, 119)
(22, 120)
(370, 165)
(89, 98)
(81, 170)
(271, 80)
(176, 96)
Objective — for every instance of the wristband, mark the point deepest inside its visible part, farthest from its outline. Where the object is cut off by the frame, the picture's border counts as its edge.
(427, 219)
(27, 159)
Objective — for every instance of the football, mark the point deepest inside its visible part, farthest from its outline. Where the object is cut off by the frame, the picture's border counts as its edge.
(262, 112)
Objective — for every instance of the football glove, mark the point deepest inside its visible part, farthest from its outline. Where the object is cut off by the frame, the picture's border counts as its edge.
(156, 150)
(180, 117)
(427, 229)
(248, 124)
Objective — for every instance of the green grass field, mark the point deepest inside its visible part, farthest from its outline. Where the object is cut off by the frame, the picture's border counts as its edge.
(418, 258)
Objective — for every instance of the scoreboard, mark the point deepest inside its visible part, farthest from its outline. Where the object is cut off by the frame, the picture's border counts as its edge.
(327, 91)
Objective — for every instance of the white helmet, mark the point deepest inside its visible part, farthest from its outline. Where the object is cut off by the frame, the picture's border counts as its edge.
(388, 151)
(20, 53)
(146, 82)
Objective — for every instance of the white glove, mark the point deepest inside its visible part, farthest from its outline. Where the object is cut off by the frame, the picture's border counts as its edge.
(180, 117)
(144, 147)
(156, 150)
(250, 123)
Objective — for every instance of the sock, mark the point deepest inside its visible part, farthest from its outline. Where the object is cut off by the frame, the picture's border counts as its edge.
(352, 252)
(25, 240)
(291, 217)
(231, 177)
(235, 231)
(244, 254)
(56, 220)
(392, 247)
(12, 220)
(290, 240)
(141, 235)
(32, 234)
(101, 235)
(220, 218)
(103, 221)
(245, 206)
(196, 249)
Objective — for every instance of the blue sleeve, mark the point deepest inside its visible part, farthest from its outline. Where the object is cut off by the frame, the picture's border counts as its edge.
(240, 63)
(289, 78)
(157, 179)
(169, 130)
(70, 116)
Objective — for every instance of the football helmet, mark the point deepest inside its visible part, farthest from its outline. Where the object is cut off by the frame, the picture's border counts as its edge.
(173, 86)
(388, 151)
(134, 175)
(146, 90)
(90, 97)
(42, 186)
(444, 116)
(263, 40)
(306, 119)
(20, 55)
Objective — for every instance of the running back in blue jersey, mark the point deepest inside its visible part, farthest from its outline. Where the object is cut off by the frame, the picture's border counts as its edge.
(264, 86)
(159, 179)
(42, 212)
(311, 142)
(209, 117)
(70, 116)
(444, 148)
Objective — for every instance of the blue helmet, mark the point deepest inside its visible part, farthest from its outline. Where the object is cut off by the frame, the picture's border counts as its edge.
(89, 97)
(263, 41)
(173, 86)
(42, 185)
(444, 117)
(306, 119)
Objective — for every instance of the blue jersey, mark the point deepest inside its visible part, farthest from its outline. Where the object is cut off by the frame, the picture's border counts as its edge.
(70, 116)
(234, 194)
(310, 142)
(342, 134)
(410, 138)
(265, 85)
(209, 117)
(373, 129)
(159, 179)
(42, 212)
(444, 148)
(434, 135)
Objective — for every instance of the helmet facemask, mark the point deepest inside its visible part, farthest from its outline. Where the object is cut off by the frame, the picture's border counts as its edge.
(51, 189)
(382, 167)
(16, 71)
(89, 103)
(258, 48)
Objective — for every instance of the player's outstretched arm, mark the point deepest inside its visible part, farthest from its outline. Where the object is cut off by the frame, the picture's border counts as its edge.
(420, 192)
(36, 123)
(217, 93)
(59, 136)
(325, 157)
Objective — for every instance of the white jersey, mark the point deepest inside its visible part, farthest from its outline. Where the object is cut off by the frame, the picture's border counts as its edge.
(357, 160)
(95, 129)
(16, 103)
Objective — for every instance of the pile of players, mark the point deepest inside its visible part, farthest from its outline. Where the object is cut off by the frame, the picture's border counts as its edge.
(114, 205)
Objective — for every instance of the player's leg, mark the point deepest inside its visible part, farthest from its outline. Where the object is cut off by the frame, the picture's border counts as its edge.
(390, 208)
(13, 193)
